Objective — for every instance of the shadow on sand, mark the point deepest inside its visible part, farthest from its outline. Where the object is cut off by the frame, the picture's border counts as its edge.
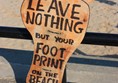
(22, 57)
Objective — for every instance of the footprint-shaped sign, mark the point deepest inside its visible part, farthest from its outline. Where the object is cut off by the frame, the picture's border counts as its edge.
(57, 28)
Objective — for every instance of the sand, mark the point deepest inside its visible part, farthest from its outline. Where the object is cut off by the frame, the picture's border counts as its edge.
(104, 19)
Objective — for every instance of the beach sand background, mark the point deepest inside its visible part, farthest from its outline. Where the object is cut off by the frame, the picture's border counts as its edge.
(104, 19)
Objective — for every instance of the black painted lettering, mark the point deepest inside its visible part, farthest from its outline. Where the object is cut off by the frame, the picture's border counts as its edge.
(55, 75)
(36, 58)
(47, 37)
(68, 25)
(39, 5)
(63, 40)
(30, 5)
(54, 51)
(38, 47)
(42, 36)
(63, 12)
(39, 73)
(38, 78)
(81, 29)
(55, 63)
(32, 79)
(50, 80)
(54, 6)
(46, 19)
(38, 19)
(49, 74)
(45, 49)
(76, 29)
(71, 41)
(36, 72)
(55, 22)
(62, 52)
(57, 39)
(60, 40)
(30, 18)
(75, 12)
(49, 61)
(43, 80)
(61, 23)
(61, 63)
(43, 61)
(33, 71)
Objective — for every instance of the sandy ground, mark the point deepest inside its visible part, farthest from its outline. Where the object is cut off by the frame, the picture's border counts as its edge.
(104, 19)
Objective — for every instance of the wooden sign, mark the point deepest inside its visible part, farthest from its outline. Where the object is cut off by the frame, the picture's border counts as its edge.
(57, 28)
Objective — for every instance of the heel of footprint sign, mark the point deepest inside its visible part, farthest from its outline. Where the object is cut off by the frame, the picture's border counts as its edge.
(57, 28)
